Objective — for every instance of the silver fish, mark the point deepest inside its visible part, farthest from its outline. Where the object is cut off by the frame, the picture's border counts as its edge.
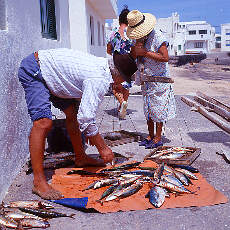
(172, 156)
(172, 179)
(125, 192)
(8, 222)
(157, 196)
(173, 187)
(181, 177)
(187, 173)
(28, 204)
(19, 215)
(33, 223)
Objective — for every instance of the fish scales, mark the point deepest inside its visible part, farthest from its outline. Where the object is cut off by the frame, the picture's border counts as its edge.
(45, 213)
(157, 196)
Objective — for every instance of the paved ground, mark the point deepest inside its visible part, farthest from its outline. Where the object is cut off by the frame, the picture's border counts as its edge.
(187, 129)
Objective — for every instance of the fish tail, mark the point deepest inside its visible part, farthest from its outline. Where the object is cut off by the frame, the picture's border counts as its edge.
(72, 215)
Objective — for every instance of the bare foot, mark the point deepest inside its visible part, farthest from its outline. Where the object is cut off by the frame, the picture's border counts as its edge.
(89, 161)
(47, 192)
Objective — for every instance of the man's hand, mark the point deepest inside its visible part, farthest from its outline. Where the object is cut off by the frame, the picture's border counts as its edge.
(104, 151)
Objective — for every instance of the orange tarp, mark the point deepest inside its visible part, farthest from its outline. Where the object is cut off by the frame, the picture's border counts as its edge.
(71, 186)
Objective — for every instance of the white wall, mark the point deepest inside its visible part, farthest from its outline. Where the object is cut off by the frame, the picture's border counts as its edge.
(21, 37)
(78, 25)
(96, 49)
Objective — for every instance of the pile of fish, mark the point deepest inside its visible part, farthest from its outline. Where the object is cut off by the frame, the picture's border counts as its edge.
(171, 153)
(121, 182)
(28, 214)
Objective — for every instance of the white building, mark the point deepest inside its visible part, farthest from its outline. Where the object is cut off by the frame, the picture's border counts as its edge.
(44, 24)
(218, 41)
(225, 37)
(187, 37)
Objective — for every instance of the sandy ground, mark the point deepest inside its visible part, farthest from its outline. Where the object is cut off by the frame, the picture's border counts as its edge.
(211, 79)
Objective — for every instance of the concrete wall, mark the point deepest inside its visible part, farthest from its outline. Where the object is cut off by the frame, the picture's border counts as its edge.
(22, 36)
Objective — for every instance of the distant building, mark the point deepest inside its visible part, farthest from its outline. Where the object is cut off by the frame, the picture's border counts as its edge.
(27, 26)
(218, 41)
(187, 37)
(225, 37)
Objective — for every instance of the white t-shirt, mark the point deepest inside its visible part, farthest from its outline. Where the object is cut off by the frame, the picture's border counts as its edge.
(75, 74)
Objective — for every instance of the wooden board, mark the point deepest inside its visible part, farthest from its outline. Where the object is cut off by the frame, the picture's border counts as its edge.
(126, 137)
(185, 160)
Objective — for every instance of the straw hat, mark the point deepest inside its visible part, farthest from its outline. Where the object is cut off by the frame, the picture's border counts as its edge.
(140, 24)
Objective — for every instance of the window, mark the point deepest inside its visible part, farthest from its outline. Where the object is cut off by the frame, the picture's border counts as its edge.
(190, 32)
(198, 45)
(2, 15)
(99, 33)
(179, 47)
(48, 19)
(218, 39)
(227, 42)
(202, 31)
(227, 31)
(103, 35)
(91, 24)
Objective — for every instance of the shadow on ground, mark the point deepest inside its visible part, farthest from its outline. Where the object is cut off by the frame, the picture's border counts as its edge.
(114, 112)
(211, 137)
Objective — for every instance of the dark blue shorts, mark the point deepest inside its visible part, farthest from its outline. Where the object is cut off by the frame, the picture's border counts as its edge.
(38, 96)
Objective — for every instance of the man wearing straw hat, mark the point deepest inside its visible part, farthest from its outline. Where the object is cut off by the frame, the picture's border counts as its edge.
(151, 52)
(69, 79)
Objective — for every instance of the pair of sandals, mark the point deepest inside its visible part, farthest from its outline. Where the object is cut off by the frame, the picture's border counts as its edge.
(149, 144)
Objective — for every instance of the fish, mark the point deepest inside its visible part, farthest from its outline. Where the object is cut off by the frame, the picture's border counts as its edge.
(158, 172)
(142, 172)
(125, 166)
(84, 172)
(173, 187)
(33, 223)
(45, 213)
(172, 156)
(172, 179)
(105, 182)
(19, 215)
(187, 173)
(101, 183)
(187, 167)
(108, 191)
(182, 178)
(146, 168)
(28, 204)
(132, 189)
(157, 196)
(8, 222)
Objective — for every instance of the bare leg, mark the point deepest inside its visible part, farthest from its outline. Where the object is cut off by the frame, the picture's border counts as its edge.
(81, 158)
(158, 132)
(150, 124)
(125, 94)
(37, 138)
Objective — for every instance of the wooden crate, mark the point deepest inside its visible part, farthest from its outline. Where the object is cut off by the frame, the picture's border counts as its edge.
(184, 160)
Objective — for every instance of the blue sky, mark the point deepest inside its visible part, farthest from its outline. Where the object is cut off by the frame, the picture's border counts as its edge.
(215, 12)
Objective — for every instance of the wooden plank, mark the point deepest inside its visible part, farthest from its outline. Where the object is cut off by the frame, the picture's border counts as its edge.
(214, 101)
(221, 124)
(216, 109)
